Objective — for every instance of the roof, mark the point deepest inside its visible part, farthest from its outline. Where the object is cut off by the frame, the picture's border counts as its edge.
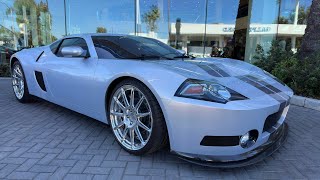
(95, 34)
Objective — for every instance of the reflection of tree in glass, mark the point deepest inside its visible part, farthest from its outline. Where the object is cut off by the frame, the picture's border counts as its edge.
(302, 16)
(37, 20)
(18, 8)
(151, 18)
(5, 36)
(101, 30)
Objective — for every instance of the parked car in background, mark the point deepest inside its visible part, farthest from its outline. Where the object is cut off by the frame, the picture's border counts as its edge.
(8, 51)
(210, 111)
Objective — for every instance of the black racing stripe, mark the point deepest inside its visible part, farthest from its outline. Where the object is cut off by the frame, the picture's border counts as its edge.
(256, 85)
(278, 98)
(276, 90)
(219, 70)
(263, 88)
(209, 70)
(267, 85)
(264, 83)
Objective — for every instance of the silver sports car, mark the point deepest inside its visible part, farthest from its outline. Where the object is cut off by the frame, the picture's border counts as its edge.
(211, 111)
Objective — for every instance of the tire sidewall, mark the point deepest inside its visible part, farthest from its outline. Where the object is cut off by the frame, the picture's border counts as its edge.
(25, 96)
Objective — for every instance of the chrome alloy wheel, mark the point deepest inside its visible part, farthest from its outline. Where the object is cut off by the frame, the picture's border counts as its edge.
(18, 81)
(131, 117)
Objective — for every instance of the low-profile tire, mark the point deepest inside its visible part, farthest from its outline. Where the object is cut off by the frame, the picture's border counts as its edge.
(19, 83)
(141, 113)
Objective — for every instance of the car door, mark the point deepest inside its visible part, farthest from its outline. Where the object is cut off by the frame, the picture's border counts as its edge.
(70, 79)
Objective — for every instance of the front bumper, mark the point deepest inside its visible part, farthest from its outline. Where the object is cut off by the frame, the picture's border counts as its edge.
(189, 121)
(275, 141)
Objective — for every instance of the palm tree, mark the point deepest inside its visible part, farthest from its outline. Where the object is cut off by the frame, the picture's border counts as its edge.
(311, 39)
(151, 17)
(101, 30)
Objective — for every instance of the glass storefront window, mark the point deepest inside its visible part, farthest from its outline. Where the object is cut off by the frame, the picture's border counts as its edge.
(100, 16)
(152, 19)
(292, 22)
(29, 23)
(187, 25)
(263, 26)
(222, 18)
(294, 11)
(218, 28)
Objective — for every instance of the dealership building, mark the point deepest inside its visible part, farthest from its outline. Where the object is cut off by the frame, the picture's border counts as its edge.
(222, 28)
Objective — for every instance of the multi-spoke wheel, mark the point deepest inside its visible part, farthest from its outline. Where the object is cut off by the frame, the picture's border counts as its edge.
(19, 83)
(136, 118)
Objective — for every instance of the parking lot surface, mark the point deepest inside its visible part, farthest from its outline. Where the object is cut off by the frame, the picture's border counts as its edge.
(41, 140)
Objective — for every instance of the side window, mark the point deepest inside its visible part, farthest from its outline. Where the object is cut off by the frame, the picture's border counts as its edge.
(73, 42)
(102, 49)
(54, 46)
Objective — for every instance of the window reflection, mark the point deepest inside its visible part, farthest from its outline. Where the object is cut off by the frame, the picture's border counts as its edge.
(29, 23)
(294, 11)
(217, 28)
(292, 23)
(100, 16)
(223, 27)
(187, 25)
(263, 26)
(152, 19)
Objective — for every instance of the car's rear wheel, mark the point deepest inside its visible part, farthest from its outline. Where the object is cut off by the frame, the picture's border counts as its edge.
(136, 118)
(19, 83)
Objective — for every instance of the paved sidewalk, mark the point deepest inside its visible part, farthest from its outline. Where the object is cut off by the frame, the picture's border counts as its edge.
(41, 140)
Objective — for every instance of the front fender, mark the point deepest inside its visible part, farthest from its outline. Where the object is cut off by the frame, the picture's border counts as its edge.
(163, 83)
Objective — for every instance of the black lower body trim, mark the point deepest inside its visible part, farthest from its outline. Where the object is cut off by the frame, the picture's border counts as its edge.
(276, 140)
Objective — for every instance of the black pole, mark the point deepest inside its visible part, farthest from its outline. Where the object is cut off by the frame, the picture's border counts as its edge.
(135, 17)
(65, 17)
(279, 10)
(205, 28)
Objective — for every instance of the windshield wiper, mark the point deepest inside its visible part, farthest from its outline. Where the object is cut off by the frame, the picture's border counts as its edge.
(184, 56)
(143, 57)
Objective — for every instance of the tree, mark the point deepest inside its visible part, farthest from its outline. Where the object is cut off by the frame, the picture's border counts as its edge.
(151, 17)
(101, 30)
(311, 39)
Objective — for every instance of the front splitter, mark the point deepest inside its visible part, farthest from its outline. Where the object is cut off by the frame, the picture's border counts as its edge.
(276, 140)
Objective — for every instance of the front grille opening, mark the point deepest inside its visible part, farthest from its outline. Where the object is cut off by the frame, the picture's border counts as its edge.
(220, 141)
(272, 120)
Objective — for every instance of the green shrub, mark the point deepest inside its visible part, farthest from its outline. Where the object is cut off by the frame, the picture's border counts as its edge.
(303, 76)
(4, 70)
(268, 61)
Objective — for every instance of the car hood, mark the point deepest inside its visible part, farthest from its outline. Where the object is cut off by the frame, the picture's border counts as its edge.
(240, 76)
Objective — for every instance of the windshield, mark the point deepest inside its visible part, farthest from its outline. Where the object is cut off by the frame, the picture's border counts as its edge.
(133, 47)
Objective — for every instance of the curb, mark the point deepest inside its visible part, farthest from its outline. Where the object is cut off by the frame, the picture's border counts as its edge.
(305, 102)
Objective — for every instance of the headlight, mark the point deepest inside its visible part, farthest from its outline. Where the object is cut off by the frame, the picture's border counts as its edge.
(208, 91)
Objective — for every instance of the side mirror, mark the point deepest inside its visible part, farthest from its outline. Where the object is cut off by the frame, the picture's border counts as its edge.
(182, 51)
(73, 51)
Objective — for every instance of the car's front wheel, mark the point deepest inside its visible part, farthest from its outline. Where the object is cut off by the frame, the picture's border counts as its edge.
(19, 83)
(136, 118)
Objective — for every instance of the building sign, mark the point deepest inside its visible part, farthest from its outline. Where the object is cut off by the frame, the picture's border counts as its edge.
(228, 29)
(252, 29)
(260, 29)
